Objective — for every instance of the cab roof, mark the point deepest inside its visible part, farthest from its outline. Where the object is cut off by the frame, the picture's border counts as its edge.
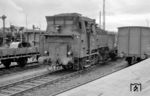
(69, 15)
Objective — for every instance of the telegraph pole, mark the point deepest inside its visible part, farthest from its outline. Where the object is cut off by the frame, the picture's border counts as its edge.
(104, 19)
(100, 20)
(26, 22)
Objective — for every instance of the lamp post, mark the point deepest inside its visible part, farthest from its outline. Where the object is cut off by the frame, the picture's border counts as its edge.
(3, 17)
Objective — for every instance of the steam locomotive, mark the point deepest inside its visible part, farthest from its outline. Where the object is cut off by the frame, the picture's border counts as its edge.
(74, 41)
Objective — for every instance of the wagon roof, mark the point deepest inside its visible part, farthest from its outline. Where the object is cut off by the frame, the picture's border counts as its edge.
(133, 27)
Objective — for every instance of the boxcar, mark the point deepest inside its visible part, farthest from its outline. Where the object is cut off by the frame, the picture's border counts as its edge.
(134, 43)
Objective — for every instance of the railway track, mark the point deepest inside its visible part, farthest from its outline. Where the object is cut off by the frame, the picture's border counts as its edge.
(16, 68)
(15, 65)
(19, 87)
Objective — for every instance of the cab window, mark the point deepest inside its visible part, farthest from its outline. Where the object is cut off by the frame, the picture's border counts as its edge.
(80, 25)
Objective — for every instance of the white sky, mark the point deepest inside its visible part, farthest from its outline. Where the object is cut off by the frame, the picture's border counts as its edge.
(118, 12)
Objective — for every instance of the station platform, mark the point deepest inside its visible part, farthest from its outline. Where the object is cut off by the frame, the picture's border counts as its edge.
(131, 81)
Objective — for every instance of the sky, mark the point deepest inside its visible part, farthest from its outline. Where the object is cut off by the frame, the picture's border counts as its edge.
(118, 12)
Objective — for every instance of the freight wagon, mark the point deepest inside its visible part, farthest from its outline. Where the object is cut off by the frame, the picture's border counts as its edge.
(112, 40)
(32, 36)
(134, 43)
(107, 41)
(17, 52)
(102, 38)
